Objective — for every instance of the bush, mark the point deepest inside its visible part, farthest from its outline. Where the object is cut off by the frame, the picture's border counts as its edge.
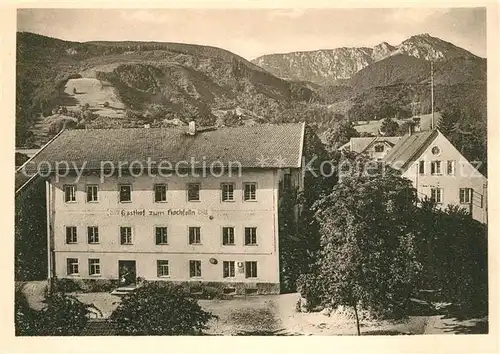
(26, 319)
(211, 292)
(65, 285)
(64, 315)
(160, 310)
(309, 287)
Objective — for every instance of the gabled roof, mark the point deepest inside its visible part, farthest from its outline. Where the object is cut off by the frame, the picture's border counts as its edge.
(260, 146)
(359, 145)
(408, 148)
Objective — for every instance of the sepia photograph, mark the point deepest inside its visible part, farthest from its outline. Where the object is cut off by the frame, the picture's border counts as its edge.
(251, 172)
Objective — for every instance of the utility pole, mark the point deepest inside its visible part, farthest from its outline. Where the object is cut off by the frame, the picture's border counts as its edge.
(432, 96)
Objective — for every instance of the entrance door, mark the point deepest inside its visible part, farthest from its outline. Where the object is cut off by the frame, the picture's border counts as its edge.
(126, 272)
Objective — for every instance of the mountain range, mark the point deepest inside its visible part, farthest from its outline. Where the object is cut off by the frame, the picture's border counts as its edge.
(126, 84)
(328, 66)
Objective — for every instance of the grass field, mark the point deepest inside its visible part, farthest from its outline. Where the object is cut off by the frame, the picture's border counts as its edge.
(94, 92)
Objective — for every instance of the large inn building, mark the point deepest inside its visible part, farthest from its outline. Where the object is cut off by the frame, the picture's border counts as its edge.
(193, 225)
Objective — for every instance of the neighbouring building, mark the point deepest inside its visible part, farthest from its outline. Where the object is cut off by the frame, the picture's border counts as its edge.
(215, 220)
(374, 147)
(440, 172)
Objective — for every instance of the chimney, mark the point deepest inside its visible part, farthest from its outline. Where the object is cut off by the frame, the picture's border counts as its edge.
(192, 128)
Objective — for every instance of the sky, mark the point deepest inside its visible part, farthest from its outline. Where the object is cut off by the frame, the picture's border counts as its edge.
(254, 32)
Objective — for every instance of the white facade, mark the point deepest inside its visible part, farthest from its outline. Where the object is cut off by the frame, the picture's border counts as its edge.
(143, 215)
(443, 173)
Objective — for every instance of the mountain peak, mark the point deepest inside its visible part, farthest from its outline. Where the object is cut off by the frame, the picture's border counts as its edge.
(322, 66)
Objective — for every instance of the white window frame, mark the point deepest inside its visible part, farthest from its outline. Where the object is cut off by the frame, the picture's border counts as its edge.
(197, 268)
(230, 236)
(452, 173)
(92, 235)
(94, 267)
(421, 167)
(196, 235)
(120, 193)
(95, 196)
(252, 273)
(161, 265)
(254, 195)
(440, 190)
(199, 192)
(227, 191)
(228, 269)
(164, 237)
(74, 235)
(73, 194)
(163, 185)
(434, 165)
(467, 195)
(252, 236)
(129, 240)
(72, 262)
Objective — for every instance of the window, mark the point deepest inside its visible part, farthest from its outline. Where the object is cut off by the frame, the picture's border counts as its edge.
(71, 236)
(93, 234)
(250, 191)
(94, 266)
(379, 148)
(465, 195)
(125, 193)
(194, 235)
(227, 192)
(193, 192)
(126, 235)
(437, 195)
(161, 235)
(421, 167)
(250, 269)
(435, 168)
(92, 193)
(70, 193)
(228, 269)
(435, 150)
(160, 193)
(450, 168)
(162, 268)
(250, 236)
(72, 264)
(194, 269)
(228, 236)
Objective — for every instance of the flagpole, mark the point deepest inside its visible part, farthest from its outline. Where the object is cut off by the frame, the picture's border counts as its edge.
(432, 95)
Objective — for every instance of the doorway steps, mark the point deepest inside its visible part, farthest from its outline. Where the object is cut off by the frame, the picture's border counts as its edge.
(124, 290)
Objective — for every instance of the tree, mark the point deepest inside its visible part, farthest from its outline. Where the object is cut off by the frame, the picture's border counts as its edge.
(389, 127)
(298, 229)
(63, 315)
(368, 258)
(453, 249)
(154, 309)
(31, 232)
(339, 135)
(404, 128)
